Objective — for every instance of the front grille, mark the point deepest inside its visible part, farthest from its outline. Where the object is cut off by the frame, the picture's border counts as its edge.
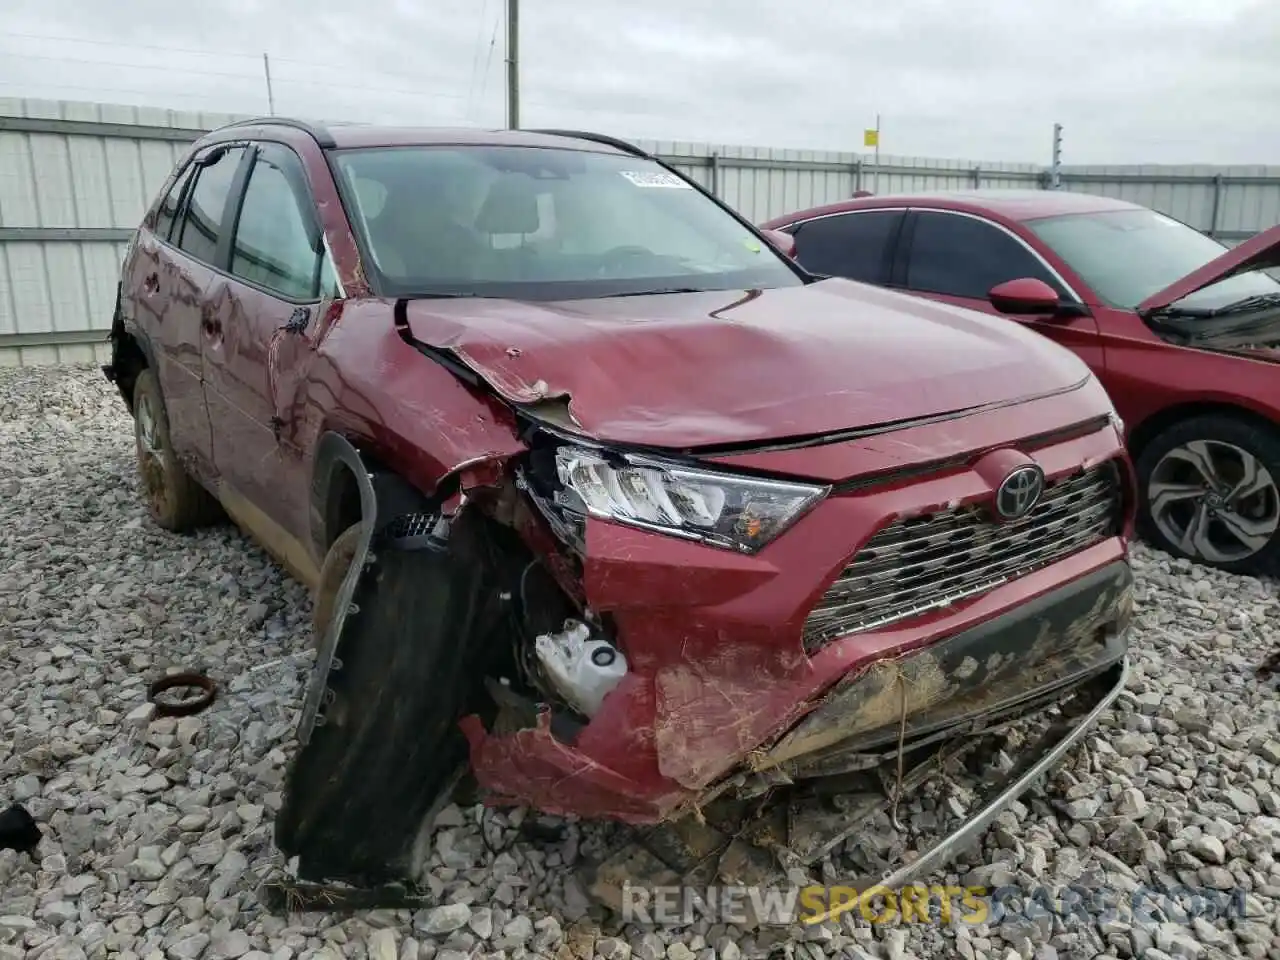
(927, 562)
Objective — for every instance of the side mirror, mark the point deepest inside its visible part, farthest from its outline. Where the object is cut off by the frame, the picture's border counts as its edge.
(1024, 295)
(785, 242)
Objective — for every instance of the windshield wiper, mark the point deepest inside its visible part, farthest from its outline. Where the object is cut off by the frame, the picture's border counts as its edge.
(1219, 329)
(1262, 301)
(1259, 302)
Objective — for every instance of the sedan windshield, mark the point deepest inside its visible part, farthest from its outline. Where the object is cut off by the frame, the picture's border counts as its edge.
(1128, 255)
(543, 224)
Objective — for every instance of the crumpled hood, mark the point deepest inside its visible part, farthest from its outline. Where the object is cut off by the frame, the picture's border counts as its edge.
(736, 367)
(1259, 252)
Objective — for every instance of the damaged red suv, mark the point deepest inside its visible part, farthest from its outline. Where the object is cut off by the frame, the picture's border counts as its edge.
(610, 508)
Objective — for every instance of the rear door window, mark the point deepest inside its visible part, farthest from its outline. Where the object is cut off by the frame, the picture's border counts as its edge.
(202, 223)
(167, 212)
(962, 256)
(851, 245)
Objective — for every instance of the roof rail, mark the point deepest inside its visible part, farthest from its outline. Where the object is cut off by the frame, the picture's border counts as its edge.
(319, 134)
(603, 138)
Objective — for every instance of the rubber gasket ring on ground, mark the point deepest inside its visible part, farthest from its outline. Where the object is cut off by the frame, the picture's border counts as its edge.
(187, 707)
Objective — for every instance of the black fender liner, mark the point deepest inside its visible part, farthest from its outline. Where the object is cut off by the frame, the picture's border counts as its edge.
(379, 744)
(122, 331)
(333, 453)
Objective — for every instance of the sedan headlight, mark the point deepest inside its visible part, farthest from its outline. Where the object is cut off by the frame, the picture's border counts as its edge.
(737, 512)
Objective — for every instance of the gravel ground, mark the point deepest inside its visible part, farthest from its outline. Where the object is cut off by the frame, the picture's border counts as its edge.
(157, 832)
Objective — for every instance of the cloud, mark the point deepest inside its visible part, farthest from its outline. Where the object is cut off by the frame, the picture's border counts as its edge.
(1132, 81)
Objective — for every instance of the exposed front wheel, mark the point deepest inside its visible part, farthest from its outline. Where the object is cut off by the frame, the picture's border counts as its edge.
(174, 499)
(1211, 492)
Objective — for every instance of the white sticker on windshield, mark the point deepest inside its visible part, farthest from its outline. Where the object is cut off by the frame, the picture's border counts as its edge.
(659, 179)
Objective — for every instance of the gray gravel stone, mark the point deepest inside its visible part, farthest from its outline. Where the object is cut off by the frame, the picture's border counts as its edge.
(648, 947)
(612, 948)
(1209, 849)
(231, 945)
(1269, 750)
(59, 912)
(1244, 802)
(445, 919)
(1083, 809)
(481, 923)
(1133, 744)
(518, 930)
(1132, 803)
(189, 948)
(382, 945)
(24, 788)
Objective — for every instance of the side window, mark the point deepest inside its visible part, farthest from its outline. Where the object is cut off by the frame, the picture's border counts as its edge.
(168, 209)
(963, 257)
(202, 221)
(851, 245)
(273, 246)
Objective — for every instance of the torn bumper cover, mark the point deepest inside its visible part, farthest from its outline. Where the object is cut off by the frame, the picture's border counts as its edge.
(1060, 659)
(997, 671)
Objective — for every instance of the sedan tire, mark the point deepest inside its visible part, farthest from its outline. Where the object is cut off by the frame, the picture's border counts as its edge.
(1210, 488)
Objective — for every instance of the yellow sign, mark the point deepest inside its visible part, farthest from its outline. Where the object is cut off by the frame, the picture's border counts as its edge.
(871, 138)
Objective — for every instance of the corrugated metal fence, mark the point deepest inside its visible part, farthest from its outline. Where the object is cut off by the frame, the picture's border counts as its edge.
(75, 179)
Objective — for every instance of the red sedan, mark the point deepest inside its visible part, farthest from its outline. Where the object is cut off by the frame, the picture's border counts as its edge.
(1182, 331)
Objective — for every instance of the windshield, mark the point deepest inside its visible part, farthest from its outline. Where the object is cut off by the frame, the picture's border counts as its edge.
(543, 224)
(1128, 255)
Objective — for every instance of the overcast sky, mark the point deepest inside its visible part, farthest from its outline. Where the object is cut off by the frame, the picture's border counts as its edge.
(1132, 81)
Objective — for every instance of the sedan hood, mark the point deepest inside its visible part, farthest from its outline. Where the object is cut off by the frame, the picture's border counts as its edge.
(688, 370)
(1260, 252)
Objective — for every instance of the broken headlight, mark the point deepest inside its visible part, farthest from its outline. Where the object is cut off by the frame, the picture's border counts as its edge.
(742, 513)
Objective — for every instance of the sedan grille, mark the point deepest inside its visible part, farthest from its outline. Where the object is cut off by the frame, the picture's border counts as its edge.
(924, 563)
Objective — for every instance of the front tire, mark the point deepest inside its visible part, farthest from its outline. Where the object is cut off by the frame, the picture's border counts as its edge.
(174, 499)
(1210, 489)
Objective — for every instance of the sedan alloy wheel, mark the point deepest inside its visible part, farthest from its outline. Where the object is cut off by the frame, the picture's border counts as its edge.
(1216, 501)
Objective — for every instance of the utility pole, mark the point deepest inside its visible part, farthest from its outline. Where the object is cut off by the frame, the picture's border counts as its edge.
(1055, 170)
(271, 99)
(871, 138)
(513, 64)
(875, 182)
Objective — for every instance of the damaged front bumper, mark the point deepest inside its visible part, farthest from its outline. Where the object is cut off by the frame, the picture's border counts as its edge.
(735, 761)
(884, 733)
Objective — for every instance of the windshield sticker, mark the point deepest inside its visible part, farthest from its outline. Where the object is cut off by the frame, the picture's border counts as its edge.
(661, 179)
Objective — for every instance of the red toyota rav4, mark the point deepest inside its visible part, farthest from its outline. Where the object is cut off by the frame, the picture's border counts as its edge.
(607, 501)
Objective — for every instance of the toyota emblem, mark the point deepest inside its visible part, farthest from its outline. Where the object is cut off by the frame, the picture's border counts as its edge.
(1019, 493)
